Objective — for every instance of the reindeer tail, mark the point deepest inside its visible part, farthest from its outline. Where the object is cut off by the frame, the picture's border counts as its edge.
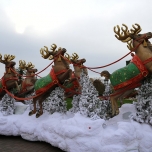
(105, 74)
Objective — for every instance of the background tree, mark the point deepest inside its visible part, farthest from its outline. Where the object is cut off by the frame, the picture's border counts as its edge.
(7, 105)
(144, 102)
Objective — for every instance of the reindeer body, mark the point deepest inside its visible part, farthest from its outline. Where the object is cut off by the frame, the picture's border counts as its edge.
(142, 63)
(59, 73)
(10, 79)
(74, 87)
(27, 85)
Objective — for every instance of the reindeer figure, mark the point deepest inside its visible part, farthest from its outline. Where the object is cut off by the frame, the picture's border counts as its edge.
(27, 85)
(10, 79)
(78, 65)
(124, 80)
(59, 73)
(74, 87)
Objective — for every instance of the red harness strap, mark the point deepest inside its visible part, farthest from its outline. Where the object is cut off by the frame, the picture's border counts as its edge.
(4, 82)
(24, 87)
(147, 61)
(136, 60)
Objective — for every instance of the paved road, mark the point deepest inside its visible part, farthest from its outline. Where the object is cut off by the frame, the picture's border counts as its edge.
(17, 144)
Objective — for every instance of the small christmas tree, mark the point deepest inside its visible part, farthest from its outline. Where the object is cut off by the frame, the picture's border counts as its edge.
(90, 105)
(7, 105)
(144, 102)
(30, 101)
(106, 99)
(55, 102)
(75, 104)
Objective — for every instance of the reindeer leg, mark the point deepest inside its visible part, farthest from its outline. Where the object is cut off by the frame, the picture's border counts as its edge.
(116, 106)
(34, 110)
(40, 112)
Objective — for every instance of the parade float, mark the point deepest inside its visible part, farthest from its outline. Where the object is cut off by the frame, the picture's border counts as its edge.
(35, 107)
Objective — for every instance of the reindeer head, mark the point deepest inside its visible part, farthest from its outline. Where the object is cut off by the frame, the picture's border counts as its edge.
(46, 54)
(75, 61)
(132, 36)
(8, 62)
(29, 67)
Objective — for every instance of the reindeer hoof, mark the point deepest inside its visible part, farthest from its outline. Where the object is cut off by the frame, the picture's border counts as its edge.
(39, 114)
(31, 113)
(117, 112)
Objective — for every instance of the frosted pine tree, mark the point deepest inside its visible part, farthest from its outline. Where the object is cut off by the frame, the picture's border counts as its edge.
(7, 105)
(55, 102)
(75, 104)
(144, 102)
(106, 99)
(30, 101)
(90, 105)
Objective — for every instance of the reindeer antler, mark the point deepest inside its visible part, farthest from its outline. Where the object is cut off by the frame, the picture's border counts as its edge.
(46, 53)
(22, 64)
(130, 45)
(75, 56)
(67, 56)
(7, 58)
(124, 35)
(30, 65)
(53, 47)
(135, 30)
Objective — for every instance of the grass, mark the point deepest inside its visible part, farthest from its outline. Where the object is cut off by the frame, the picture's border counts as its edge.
(69, 102)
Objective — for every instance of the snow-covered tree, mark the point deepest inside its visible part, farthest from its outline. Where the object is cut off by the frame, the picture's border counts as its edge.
(90, 105)
(75, 104)
(106, 99)
(144, 102)
(7, 105)
(30, 101)
(55, 102)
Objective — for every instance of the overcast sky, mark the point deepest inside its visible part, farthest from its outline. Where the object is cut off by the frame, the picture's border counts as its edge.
(81, 26)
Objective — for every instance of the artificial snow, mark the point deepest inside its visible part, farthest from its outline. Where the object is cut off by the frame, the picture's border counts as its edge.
(73, 132)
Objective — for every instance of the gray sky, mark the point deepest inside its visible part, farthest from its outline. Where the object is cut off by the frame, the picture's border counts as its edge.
(81, 26)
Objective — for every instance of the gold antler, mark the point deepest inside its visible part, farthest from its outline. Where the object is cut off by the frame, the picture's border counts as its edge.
(53, 47)
(0, 57)
(10, 57)
(67, 56)
(30, 65)
(7, 58)
(75, 56)
(22, 64)
(124, 35)
(130, 45)
(46, 53)
(135, 30)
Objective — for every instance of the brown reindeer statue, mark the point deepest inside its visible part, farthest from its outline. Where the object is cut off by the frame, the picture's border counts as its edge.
(27, 85)
(59, 74)
(10, 79)
(124, 80)
(74, 88)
